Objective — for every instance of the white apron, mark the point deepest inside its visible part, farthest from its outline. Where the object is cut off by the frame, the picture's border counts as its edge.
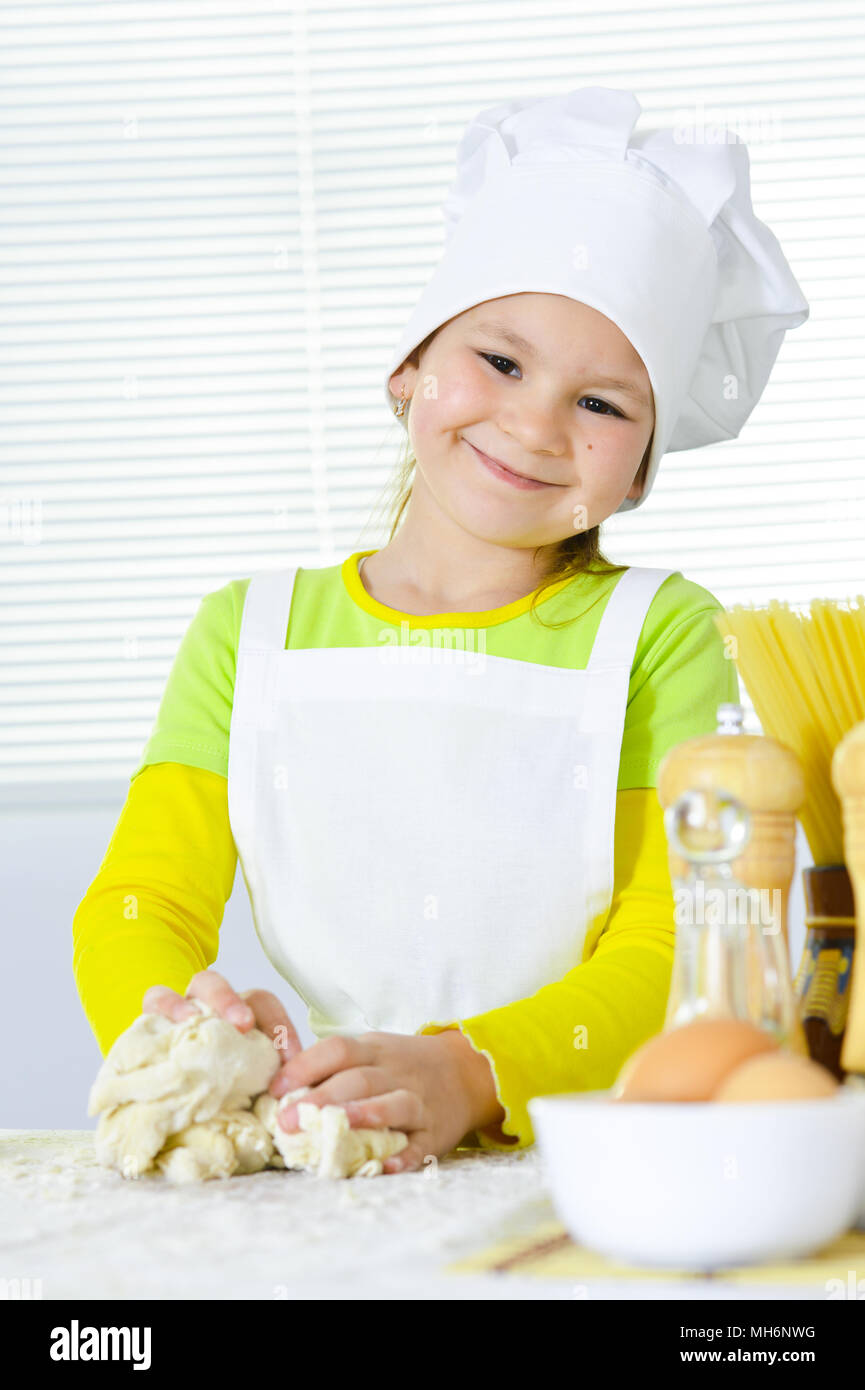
(424, 833)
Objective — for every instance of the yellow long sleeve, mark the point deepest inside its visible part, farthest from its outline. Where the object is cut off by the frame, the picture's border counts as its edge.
(575, 1033)
(152, 914)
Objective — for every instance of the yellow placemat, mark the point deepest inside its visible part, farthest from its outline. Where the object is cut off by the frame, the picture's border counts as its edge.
(548, 1252)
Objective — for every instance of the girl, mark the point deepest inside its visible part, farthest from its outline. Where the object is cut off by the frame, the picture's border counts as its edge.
(436, 761)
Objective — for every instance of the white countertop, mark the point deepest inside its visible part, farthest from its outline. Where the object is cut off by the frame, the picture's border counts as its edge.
(88, 1233)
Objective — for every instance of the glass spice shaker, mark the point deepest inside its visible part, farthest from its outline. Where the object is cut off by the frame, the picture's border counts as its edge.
(707, 830)
(734, 836)
(730, 959)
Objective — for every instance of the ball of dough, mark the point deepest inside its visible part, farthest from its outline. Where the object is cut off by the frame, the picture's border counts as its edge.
(189, 1100)
(234, 1141)
(163, 1080)
(325, 1143)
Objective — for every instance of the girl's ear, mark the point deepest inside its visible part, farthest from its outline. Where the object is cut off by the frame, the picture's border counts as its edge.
(406, 375)
(638, 484)
(403, 381)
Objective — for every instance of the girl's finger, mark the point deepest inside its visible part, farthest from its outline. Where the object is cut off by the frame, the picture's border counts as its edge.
(210, 986)
(323, 1059)
(357, 1083)
(159, 999)
(391, 1110)
(411, 1157)
(272, 1019)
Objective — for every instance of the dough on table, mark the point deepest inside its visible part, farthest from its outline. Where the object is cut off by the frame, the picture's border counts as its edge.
(231, 1142)
(326, 1143)
(190, 1101)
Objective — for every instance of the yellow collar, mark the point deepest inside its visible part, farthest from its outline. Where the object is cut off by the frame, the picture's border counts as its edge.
(487, 618)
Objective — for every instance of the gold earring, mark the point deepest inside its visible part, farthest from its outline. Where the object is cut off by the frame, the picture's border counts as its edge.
(399, 408)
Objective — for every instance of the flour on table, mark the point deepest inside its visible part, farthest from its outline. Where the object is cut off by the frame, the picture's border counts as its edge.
(190, 1100)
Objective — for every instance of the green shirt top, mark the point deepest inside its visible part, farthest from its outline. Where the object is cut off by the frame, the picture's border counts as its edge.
(679, 676)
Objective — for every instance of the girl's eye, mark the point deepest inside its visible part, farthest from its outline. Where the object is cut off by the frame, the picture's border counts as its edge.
(597, 401)
(494, 357)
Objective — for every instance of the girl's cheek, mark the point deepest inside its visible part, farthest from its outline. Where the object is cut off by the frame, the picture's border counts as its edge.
(462, 396)
(600, 460)
(422, 426)
(451, 407)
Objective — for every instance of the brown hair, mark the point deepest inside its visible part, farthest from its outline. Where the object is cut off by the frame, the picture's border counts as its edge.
(577, 554)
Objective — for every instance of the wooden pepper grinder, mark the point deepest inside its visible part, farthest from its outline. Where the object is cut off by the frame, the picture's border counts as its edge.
(848, 780)
(766, 777)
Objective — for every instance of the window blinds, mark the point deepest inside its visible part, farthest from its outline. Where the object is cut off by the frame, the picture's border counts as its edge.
(213, 223)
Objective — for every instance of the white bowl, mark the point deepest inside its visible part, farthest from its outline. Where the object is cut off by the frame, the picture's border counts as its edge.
(701, 1186)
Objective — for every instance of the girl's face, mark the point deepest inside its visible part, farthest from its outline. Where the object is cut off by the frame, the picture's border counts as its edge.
(544, 407)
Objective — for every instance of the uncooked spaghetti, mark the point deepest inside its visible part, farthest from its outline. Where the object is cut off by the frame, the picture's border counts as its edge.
(805, 674)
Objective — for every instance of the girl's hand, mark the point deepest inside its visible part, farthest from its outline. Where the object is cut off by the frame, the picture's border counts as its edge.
(434, 1087)
(255, 1008)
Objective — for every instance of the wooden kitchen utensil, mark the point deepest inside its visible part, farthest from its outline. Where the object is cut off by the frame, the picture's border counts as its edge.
(848, 780)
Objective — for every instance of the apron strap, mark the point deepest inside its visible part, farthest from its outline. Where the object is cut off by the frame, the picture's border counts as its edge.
(623, 617)
(264, 624)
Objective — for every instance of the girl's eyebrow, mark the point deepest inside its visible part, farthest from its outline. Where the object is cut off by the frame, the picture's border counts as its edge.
(501, 330)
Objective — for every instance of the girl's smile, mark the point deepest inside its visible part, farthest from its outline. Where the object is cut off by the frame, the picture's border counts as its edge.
(508, 475)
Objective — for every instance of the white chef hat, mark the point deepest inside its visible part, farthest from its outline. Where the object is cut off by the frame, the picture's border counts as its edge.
(654, 229)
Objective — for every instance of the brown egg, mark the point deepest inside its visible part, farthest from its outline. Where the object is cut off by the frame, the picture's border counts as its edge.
(778, 1076)
(690, 1062)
